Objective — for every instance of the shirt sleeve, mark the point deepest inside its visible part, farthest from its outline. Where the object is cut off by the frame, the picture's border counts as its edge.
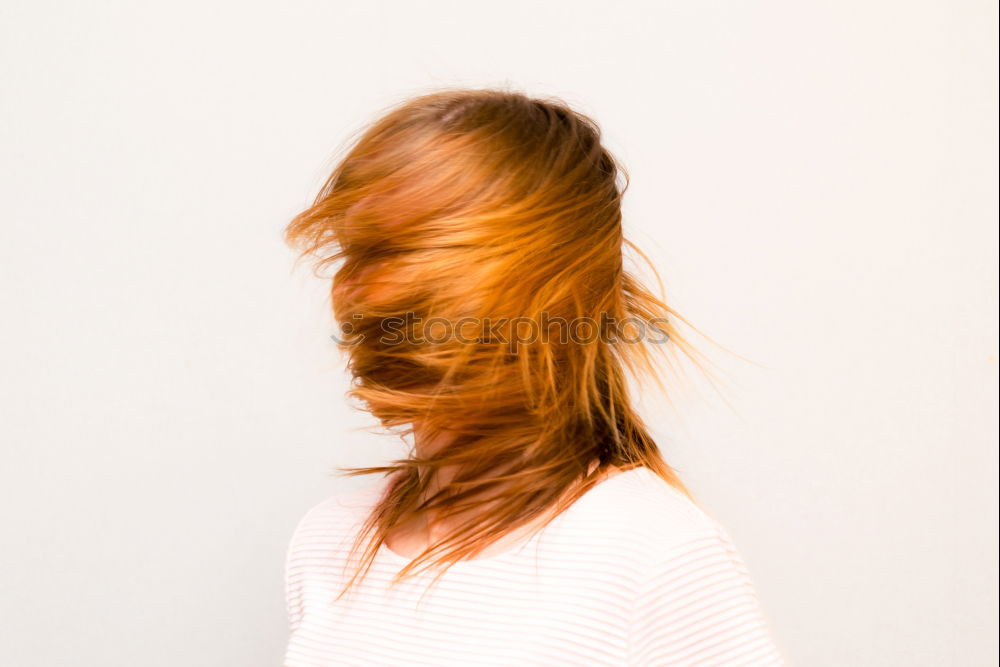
(294, 576)
(698, 607)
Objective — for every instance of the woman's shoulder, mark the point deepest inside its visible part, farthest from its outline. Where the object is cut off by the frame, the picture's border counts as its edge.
(687, 568)
(337, 517)
(640, 511)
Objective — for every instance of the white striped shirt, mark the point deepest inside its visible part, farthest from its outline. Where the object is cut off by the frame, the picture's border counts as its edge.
(633, 573)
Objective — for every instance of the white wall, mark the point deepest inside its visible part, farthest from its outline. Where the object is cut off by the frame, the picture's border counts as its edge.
(816, 181)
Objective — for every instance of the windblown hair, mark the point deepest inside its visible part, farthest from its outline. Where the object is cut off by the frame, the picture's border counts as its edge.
(459, 223)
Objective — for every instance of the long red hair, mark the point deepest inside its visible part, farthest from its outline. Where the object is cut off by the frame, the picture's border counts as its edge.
(482, 212)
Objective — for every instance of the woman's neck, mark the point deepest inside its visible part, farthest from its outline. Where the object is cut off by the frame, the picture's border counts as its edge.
(411, 539)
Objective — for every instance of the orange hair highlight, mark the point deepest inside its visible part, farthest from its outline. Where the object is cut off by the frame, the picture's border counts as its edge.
(485, 204)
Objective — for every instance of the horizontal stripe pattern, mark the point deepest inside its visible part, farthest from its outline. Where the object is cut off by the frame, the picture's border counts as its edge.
(633, 573)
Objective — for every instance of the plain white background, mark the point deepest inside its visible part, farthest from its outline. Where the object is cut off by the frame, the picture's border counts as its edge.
(816, 181)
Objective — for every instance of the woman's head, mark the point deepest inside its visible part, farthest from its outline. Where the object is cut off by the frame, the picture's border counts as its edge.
(478, 246)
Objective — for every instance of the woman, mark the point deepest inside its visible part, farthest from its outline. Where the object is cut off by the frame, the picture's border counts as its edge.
(485, 311)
